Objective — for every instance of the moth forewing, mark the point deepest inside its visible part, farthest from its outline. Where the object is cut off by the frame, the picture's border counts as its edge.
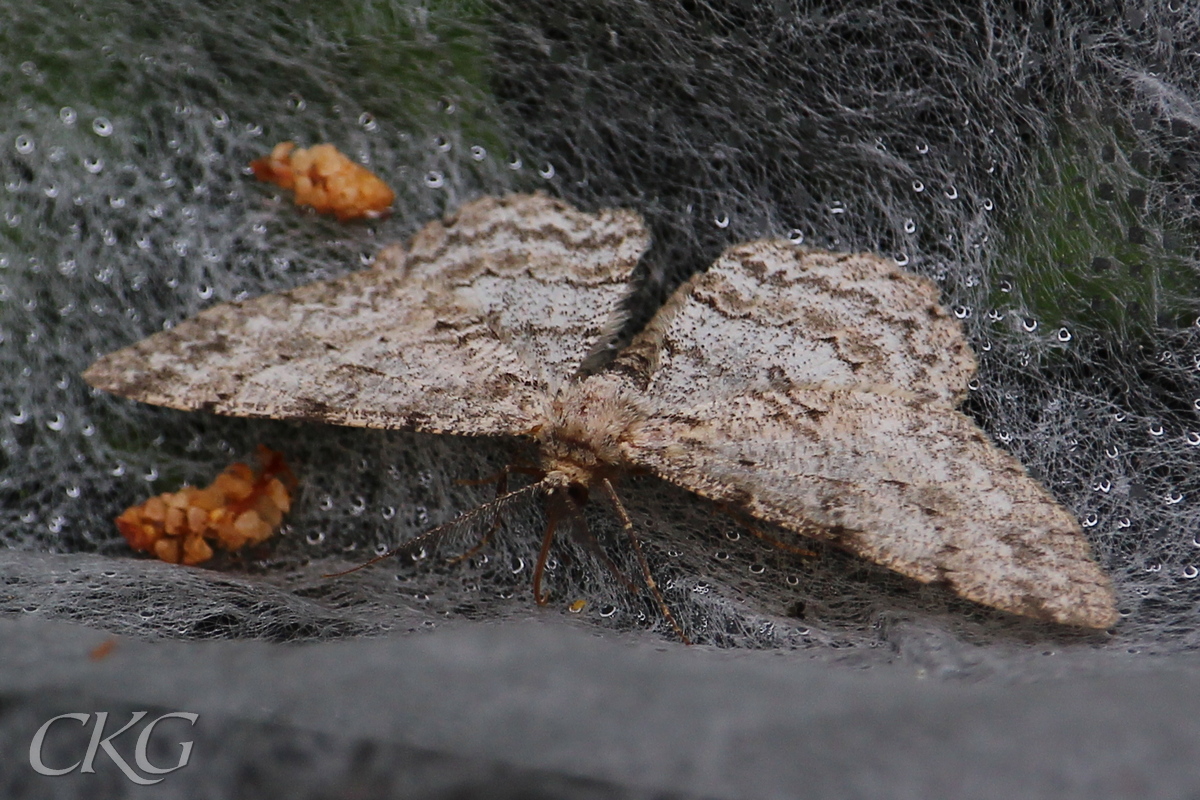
(828, 406)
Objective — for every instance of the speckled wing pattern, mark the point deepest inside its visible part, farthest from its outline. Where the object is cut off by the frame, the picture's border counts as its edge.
(464, 333)
(819, 392)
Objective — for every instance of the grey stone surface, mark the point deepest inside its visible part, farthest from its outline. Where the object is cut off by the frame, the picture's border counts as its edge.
(553, 711)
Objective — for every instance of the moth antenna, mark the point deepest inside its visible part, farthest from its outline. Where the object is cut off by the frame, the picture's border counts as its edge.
(433, 534)
(627, 524)
(501, 479)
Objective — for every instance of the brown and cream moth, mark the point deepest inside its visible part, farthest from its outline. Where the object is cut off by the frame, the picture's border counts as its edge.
(813, 390)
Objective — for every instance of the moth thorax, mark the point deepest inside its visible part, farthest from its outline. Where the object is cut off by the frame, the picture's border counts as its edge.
(587, 425)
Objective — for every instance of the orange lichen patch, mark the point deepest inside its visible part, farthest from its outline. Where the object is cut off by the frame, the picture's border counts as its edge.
(326, 180)
(239, 508)
(103, 650)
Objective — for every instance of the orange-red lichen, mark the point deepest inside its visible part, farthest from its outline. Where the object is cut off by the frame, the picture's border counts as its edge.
(239, 508)
(326, 180)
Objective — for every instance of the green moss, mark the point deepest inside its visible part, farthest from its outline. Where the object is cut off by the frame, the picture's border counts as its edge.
(1090, 249)
(399, 60)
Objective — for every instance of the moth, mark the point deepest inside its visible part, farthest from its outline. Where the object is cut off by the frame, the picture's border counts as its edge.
(813, 390)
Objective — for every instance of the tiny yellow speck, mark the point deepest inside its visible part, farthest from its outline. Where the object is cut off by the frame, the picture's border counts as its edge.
(577, 606)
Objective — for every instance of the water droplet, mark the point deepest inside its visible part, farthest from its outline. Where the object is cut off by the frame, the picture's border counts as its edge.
(1190, 572)
(1112, 451)
(19, 418)
(367, 120)
(151, 475)
(58, 423)
(102, 127)
(518, 565)
(973, 384)
(796, 236)
(315, 538)
(326, 503)
(902, 259)
(962, 312)
(388, 512)
(607, 610)
(1173, 498)
(910, 226)
(434, 179)
(1193, 439)
(918, 186)
(24, 145)
(515, 163)
(117, 471)
(547, 171)
(93, 165)
(922, 148)
(757, 569)
(296, 103)
(1156, 429)
(722, 221)
(792, 580)
(478, 153)
(67, 115)
(1089, 521)
(837, 207)
(1029, 325)
(951, 193)
(442, 144)
(1064, 335)
(988, 205)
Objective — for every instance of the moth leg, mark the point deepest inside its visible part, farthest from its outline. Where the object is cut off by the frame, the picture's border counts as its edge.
(627, 524)
(501, 480)
(753, 530)
(543, 555)
(502, 475)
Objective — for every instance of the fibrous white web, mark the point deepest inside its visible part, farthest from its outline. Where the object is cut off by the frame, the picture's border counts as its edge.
(1038, 160)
